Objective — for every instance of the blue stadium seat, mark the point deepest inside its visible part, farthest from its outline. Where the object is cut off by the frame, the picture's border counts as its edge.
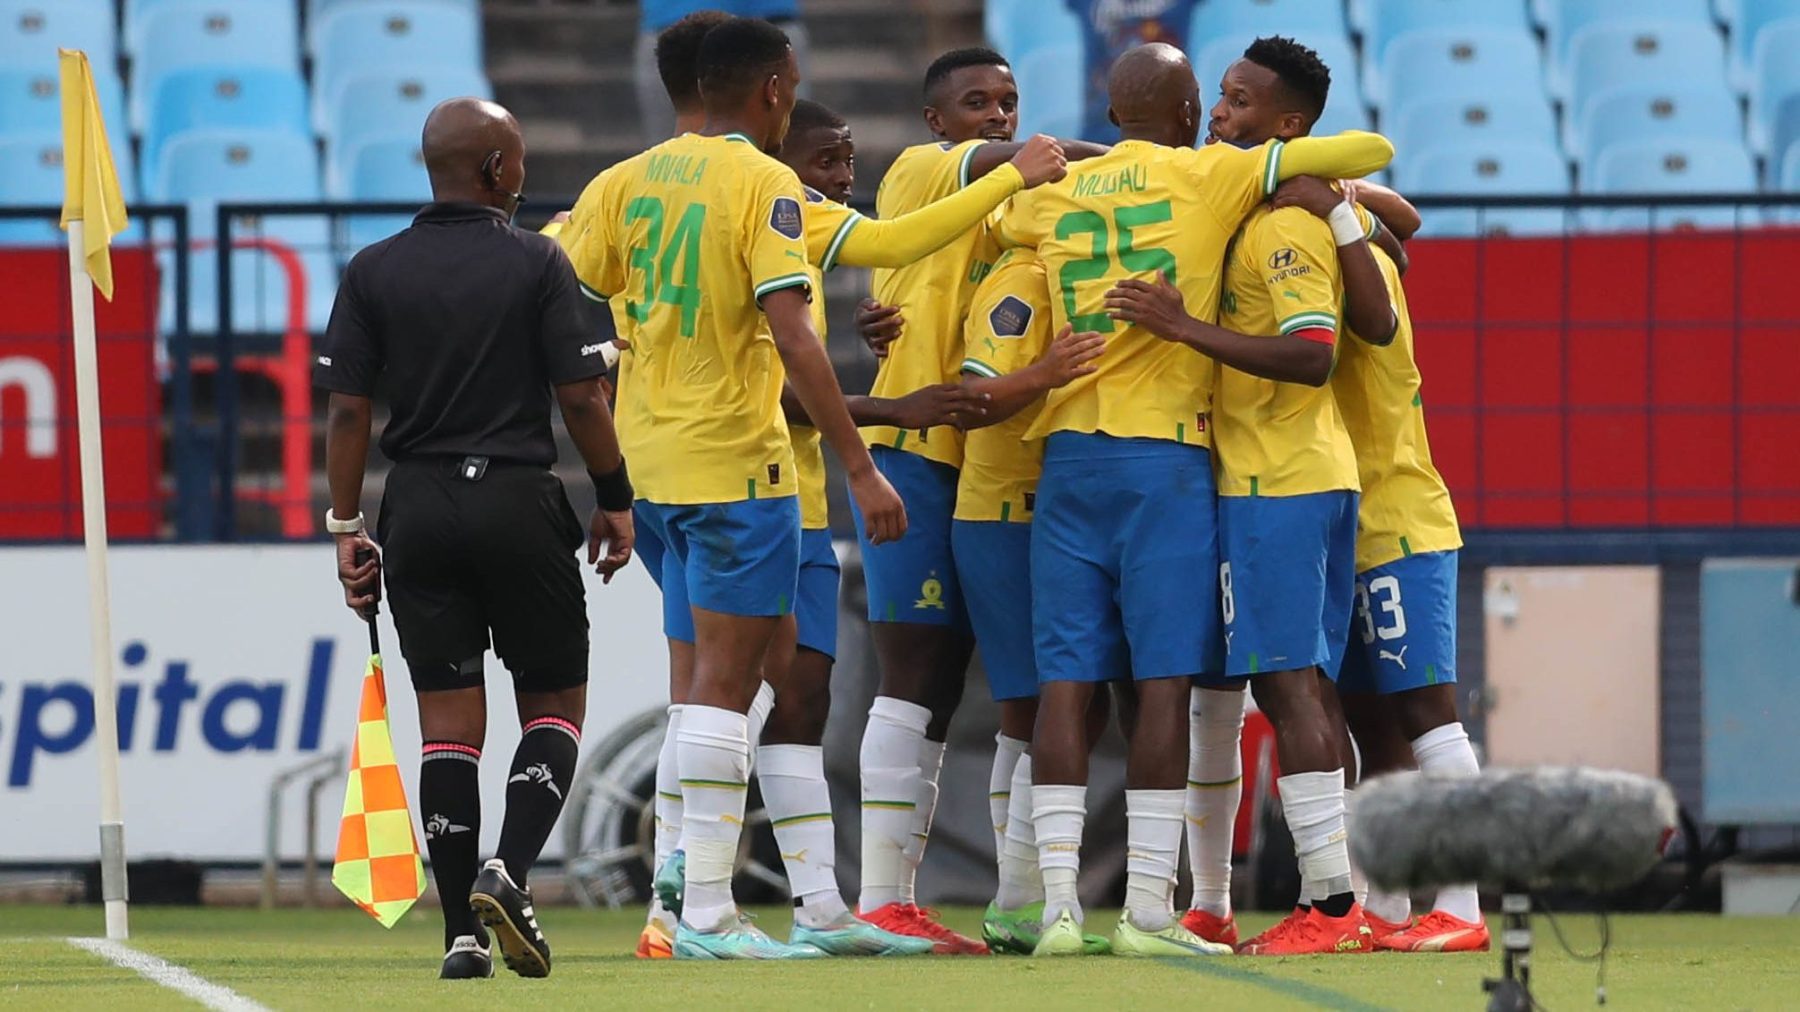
(1018, 28)
(34, 178)
(132, 39)
(31, 100)
(391, 169)
(187, 34)
(1634, 112)
(1358, 14)
(1422, 124)
(1784, 136)
(1748, 20)
(1670, 165)
(258, 97)
(1504, 168)
(1050, 85)
(1215, 18)
(393, 35)
(1567, 17)
(32, 30)
(205, 167)
(1213, 59)
(315, 9)
(1456, 63)
(1774, 79)
(395, 101)
(1603, 56)
(1390, 19)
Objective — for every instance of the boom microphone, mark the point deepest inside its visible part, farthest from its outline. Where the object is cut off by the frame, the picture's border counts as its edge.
(1529, 828)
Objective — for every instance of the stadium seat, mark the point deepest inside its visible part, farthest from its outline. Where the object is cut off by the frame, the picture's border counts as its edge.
(132, 38)
(391, 169)
(1564, 18)
(1356, 12)
(208, 166)
(1670, 165)
(1784, 177)
(1216, 18)
(34, 178)
(31, 100)
(1775, 78)
(187, 34)
(32, 30)
(1503, 168)
(1216, 56)
(1456, 63)
(261, 97)
(1026, 26)
(1748, 20)
(1638, 52)
(1633, 112)
(1390, 19)
(1050, 83)
(399, 34)
(395, 101)
(1785, 134)
(1422, 124)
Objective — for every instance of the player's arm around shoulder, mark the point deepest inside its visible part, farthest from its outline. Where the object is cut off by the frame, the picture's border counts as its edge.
(1368, 311)
(1011, 358)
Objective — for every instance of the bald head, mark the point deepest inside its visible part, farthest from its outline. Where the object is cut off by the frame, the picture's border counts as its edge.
(1154, 96)
(474, 153)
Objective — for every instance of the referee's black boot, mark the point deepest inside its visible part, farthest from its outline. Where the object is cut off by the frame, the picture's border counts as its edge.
(505, 908)
(467, 959)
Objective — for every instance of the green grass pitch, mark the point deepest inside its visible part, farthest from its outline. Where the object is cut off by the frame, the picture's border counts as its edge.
(339, 959)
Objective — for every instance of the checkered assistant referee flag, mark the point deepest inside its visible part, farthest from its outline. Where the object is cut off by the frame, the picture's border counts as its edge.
(378, 864)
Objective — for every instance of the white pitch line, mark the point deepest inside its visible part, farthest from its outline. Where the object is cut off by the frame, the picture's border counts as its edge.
(162, 972)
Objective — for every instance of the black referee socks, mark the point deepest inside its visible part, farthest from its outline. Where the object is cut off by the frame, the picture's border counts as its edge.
(450, 803)
(542, 769)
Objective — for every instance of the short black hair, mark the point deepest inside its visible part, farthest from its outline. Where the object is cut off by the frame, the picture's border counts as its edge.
(738, 55)
(678, 55)
(810, 115)
(1299, 69)
(957, 59)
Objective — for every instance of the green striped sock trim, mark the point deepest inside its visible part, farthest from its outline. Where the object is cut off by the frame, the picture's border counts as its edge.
(723, 785)
(892, 806)
(794, 820)
(1207, 785)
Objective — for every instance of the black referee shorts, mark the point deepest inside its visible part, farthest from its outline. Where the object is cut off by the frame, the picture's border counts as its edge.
(465, 559)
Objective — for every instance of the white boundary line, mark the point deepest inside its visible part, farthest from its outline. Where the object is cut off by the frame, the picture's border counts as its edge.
(167, 974)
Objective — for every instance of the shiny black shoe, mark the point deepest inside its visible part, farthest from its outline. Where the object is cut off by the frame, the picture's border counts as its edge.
(467, 959)
(505, 909)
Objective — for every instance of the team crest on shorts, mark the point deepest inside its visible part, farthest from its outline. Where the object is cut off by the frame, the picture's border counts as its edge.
(1010, 317)
(784, 217)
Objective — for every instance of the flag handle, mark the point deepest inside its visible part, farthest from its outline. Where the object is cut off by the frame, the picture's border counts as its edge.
(362, 556)
(93, 529)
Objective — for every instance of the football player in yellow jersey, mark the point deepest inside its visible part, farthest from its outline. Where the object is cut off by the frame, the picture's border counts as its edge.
(1009, 355)
(1126, 457)
(920, 626)
(1399, 672)
(702, 399)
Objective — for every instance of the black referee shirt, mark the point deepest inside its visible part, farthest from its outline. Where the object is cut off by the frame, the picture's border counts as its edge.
(472, 320)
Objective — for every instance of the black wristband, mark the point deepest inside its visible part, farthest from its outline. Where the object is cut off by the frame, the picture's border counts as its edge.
(612, 492)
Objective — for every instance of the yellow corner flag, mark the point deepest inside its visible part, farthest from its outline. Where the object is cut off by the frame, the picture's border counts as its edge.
(378, 863)
(91, 192)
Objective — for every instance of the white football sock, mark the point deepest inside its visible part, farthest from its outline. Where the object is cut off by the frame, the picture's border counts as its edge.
(1152, 847)
(1058, 812)
(1021, 883)
(799, 805)
(714, 754)
(1393, 907)
(668, 791)
(890, 791)
(1314, 806)
(1445, 751)
(931, 765)
(1215, 787)
(1007, 753)
(758, 715)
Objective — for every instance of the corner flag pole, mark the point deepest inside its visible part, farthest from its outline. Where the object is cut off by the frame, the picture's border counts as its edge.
(91, 197)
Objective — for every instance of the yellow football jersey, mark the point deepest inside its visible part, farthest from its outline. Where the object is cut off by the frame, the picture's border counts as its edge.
(692, 234)
(1270, 438)
(1008, 329)
(933, 295)
(1406, 507)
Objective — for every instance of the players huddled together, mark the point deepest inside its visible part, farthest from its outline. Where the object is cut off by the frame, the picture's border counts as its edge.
(1146, 417)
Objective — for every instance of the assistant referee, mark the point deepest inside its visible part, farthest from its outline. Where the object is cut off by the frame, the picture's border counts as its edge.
(467, 323)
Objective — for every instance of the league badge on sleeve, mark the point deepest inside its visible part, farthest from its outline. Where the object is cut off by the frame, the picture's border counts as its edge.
(1010, 317)
(784, 217)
